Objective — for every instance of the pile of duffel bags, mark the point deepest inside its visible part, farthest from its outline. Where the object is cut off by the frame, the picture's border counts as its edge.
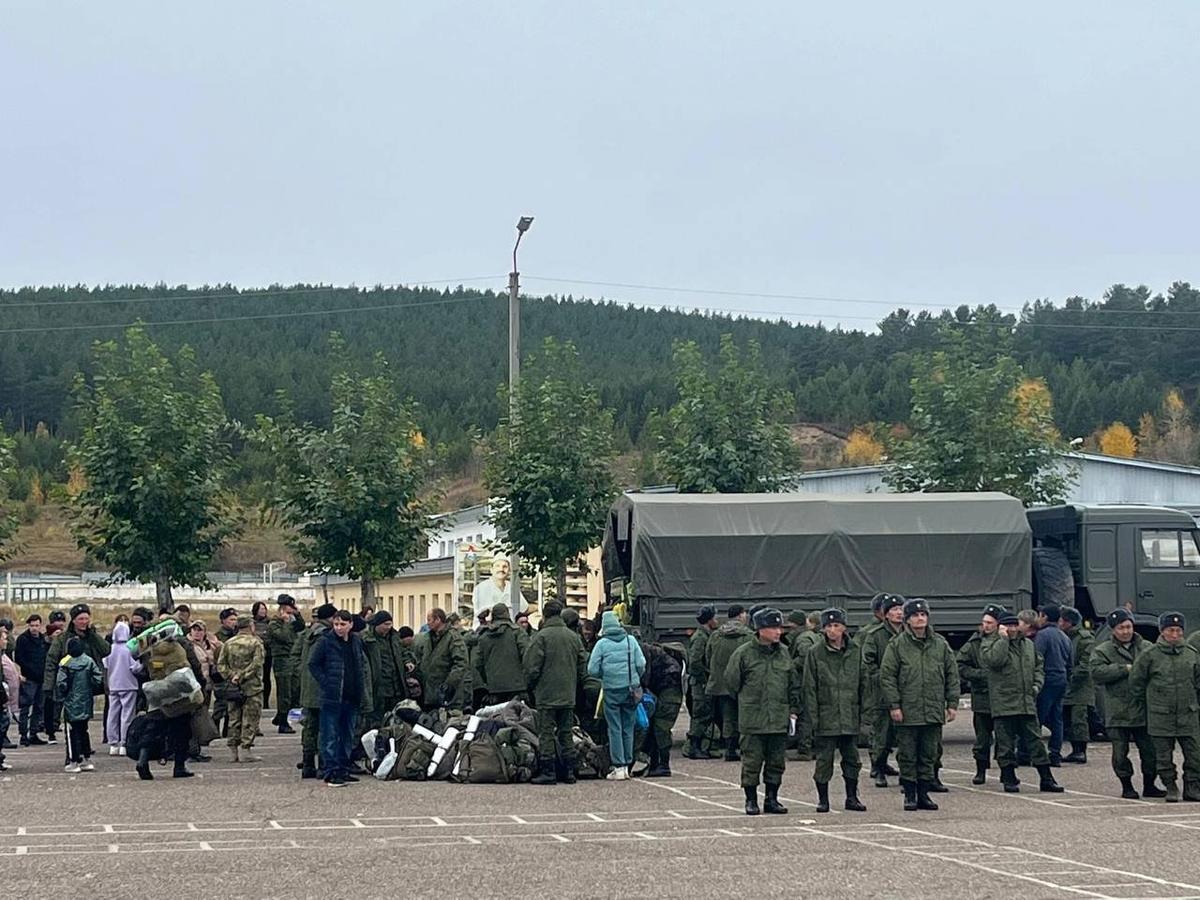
(497, 745)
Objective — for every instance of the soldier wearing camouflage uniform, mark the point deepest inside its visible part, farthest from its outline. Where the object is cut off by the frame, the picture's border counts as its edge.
(874, 640)
(499, 657)
(1124, 713)
(664, 679)
(554, 669)
(762, 676)
(1167, 678)
(721, 646)
(701, 708)
(282, 631)
(388, 665)
(1081, 690)
(241, 665)
(226, 632)
(972, 670)
(919, 682)
(835, 681)
(441, 655)
(305, 688)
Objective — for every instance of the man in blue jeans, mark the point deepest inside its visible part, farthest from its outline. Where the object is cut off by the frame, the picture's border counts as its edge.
(1055, 648)
(338, 664)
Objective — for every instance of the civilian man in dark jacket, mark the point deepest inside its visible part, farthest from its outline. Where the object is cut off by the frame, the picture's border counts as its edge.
(1057, 652)
(30, 656)
(337, 665)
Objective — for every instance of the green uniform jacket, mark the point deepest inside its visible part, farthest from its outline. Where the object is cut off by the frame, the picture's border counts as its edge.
(1111, 665)
(972, 670)
(555, 665)
(835, 683)
(721, 645)
(500, 657)
(242, 655)
(697, 665)
(304, 685)
(94, 645)
(919, 677)
(387, 658)
(1168, 677)
(1081, 690)
(873, 640)
(1014, 673)
(441, 660)
(77, 681)
(281, 638)
(767, 687)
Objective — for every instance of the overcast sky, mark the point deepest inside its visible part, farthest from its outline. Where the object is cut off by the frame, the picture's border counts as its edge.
(928, 153)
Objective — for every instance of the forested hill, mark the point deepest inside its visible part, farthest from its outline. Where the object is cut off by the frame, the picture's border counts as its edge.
(1105, 360)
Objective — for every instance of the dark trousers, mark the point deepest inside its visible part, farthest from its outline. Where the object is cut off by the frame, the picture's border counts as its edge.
(1121, 738)
(310, 730)
(918, 749)
(662, 723)
(1012, 731)
(765, 754)
(1164, 759)
(337, 738)
(179, 737)
(554, 725)
(984, 728)
(30, 711)
(883, 736)
(701, 712)
(266, 697)
(726, 711)
(1075, 724)
(51, 714)
(79, 742)
(1050, 710)
(824, 748)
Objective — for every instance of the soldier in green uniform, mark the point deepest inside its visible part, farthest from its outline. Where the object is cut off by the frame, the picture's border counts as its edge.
(919, 682)
(762, 677)
(388, 664)
(801, 645)
(554, 669)
(701, 707)
(306, 689)
(241, 665)
(721, 646)
(1167, 678)
(228, 629)
(972, 670)
(663, 678)
(441, 656)
(1124, 713)
(500, 657)
(835, 681)
(282, 631)
(874, 640)
(1014, 678)
(1081, 690)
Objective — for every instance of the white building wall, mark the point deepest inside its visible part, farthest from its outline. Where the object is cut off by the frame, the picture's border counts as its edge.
(464, 526)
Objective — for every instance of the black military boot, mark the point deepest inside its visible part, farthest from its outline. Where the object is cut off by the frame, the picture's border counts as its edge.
(693, 750)
(547, 774)
(1046, 783)
(1078, 753)
(771, 804)
(981, 768)
(1171, 790)
(822, 796)
(663, 769)
(879, 773)
(936, 786)
(181, 771)
(1148, 788)
(886, 768)
(308, 767)
(852, 802)
(1128, 791)
(1008, 778)
(1191, 790)
(143, 765)
(569, 772)
(751, 800)
(910, 795)
(731, 750)
(285, 728)
(923, 801)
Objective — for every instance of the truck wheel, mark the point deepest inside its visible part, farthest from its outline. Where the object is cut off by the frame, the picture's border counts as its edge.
(1053, 582)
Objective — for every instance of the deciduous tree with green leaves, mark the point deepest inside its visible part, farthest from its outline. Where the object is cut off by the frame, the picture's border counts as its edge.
(727, 433)
(357, 495)
(154, 455)
(979, 424)
(8, 515)
(549, 464)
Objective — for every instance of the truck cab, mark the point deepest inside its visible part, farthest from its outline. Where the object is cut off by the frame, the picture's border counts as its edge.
(1100, 557)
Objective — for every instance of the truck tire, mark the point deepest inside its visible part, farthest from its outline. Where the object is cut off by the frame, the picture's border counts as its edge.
(1053, 582)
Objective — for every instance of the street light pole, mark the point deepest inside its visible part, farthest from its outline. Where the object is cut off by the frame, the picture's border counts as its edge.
(514, 376)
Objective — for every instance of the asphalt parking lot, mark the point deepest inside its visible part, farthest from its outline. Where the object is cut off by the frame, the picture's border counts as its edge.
(258, 831)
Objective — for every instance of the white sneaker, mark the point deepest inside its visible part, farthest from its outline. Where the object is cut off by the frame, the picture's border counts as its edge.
(121, 750)
(4, 767)
(87, 766)
(72, 768)
(620, 773)
(114, 750)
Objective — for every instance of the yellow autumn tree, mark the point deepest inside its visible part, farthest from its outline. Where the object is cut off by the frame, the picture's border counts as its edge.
(1118, 440)
(862, 449)
(37, 495)
(1035, 406)
(76, 481)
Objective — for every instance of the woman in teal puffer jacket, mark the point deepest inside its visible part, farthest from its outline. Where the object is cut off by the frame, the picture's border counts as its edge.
(617, 660)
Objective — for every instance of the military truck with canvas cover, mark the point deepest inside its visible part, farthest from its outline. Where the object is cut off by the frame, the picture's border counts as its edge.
(808, 551)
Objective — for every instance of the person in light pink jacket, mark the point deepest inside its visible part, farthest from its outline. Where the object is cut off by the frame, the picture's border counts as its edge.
(122, 671)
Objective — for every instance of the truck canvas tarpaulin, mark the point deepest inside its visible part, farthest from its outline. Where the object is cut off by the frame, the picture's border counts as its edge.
(808, 551)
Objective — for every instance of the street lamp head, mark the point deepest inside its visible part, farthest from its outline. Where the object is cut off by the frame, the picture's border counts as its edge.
(523, 224)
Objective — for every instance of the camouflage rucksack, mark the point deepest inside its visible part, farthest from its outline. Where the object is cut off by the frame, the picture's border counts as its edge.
(591, 758)
(519, 752)
(414, 758)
